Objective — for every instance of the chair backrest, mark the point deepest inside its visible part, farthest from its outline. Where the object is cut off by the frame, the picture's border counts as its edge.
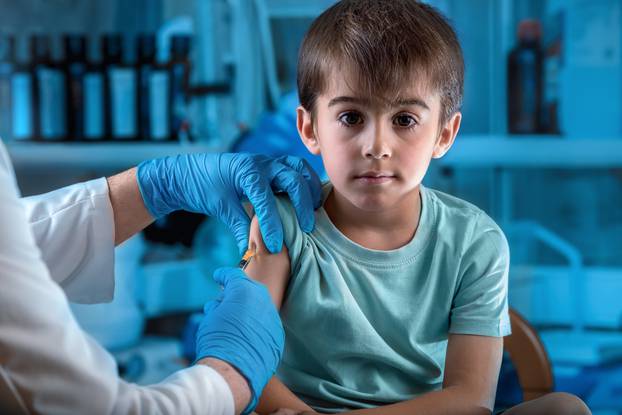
(529, 358)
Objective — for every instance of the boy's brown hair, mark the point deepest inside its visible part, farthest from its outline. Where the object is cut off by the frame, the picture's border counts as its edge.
(384, 45)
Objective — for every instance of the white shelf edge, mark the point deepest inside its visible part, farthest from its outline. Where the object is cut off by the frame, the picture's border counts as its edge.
(107, 155)
(533, 152)
(484, 151)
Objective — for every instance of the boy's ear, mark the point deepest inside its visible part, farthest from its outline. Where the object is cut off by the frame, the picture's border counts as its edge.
(304, 122)
(447, 136)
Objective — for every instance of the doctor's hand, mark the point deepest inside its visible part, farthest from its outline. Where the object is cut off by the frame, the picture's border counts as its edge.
(216, 184)
(243, 328)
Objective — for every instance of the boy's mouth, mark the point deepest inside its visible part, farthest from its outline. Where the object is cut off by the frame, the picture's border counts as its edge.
(375, 177)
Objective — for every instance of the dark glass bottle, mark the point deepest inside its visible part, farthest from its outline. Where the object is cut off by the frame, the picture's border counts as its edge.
(48, 92)
(75, 73)
(525, 81)
(7, 61)
(179, 68)
(152, 90)
(551, 67)
(120, 121)
(94, 108)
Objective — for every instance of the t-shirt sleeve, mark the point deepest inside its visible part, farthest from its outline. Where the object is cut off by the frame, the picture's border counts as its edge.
(480, 304)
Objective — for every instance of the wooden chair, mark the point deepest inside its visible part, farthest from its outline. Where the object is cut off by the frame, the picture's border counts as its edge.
(529, 358)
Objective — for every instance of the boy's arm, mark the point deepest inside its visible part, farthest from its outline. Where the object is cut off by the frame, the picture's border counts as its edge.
(273, 271)
(472, 367)
(276, 396)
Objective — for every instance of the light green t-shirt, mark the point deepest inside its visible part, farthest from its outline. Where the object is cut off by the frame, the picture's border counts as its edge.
(365, 327)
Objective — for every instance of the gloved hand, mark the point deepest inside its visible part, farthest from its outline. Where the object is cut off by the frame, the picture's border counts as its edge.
(215, 184)
(243, 328)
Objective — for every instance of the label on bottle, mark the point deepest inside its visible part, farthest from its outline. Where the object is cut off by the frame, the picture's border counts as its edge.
(123, 99)
(179, 109)
(21, 95)
(158, 105)
(93, 106)
(527, 119)
(52, 103)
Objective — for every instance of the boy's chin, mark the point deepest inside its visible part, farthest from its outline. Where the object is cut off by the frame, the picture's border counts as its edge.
(373, 203)
(378, 201)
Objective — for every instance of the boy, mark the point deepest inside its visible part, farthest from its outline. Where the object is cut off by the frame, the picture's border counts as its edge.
(397, 301)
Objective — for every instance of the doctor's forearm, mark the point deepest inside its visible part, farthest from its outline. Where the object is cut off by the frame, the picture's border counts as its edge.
(130, 214)
(238, 385)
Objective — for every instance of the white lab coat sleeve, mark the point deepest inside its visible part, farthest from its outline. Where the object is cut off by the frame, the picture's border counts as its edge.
(196, 390)
(74, 229)
(48, 364)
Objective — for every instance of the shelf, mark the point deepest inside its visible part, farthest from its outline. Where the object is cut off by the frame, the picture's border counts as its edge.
(105, 156)
(533, 152)
(483, 151)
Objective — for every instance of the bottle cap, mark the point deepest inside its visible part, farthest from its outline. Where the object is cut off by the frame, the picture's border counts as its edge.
(529, 29)
(40, 48)
(146, 47)
(112, 48)
(75, 47)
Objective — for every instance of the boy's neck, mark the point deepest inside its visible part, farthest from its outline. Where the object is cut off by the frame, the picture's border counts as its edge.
(386, 230)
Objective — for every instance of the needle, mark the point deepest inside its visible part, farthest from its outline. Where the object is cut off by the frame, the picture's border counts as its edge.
(246, 259)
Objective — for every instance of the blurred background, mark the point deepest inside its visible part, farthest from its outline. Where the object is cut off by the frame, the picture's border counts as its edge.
(91, 87)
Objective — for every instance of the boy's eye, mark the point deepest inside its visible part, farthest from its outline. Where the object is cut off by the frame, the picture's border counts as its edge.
(350, 118)
(404, 120)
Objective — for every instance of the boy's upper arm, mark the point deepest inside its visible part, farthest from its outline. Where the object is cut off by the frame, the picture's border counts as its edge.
(479, 315)
(272, 270)
(473, 363)
(480, 304)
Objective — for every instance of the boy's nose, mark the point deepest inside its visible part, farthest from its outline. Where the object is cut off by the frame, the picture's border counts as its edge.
(376, 147)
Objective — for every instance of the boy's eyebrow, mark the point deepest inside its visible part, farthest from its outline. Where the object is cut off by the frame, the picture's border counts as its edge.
(411, 101)
(341, 99)
(399, 103)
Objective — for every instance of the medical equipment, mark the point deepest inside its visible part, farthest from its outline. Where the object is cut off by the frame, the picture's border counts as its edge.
(246, 259)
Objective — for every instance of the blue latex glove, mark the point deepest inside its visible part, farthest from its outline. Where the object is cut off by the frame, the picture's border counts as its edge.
(243, 328)
(215, 184)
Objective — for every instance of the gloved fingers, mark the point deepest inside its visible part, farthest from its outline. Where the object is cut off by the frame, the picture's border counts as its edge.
(236, 219)
(299, 193)
(259, 193)
(303, 167)
(226, 275)
(210, 306)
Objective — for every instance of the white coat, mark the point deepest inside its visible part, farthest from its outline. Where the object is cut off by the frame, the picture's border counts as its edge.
(58, 246)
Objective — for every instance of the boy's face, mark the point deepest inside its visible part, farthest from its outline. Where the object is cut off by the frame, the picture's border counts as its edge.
(376, 153)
